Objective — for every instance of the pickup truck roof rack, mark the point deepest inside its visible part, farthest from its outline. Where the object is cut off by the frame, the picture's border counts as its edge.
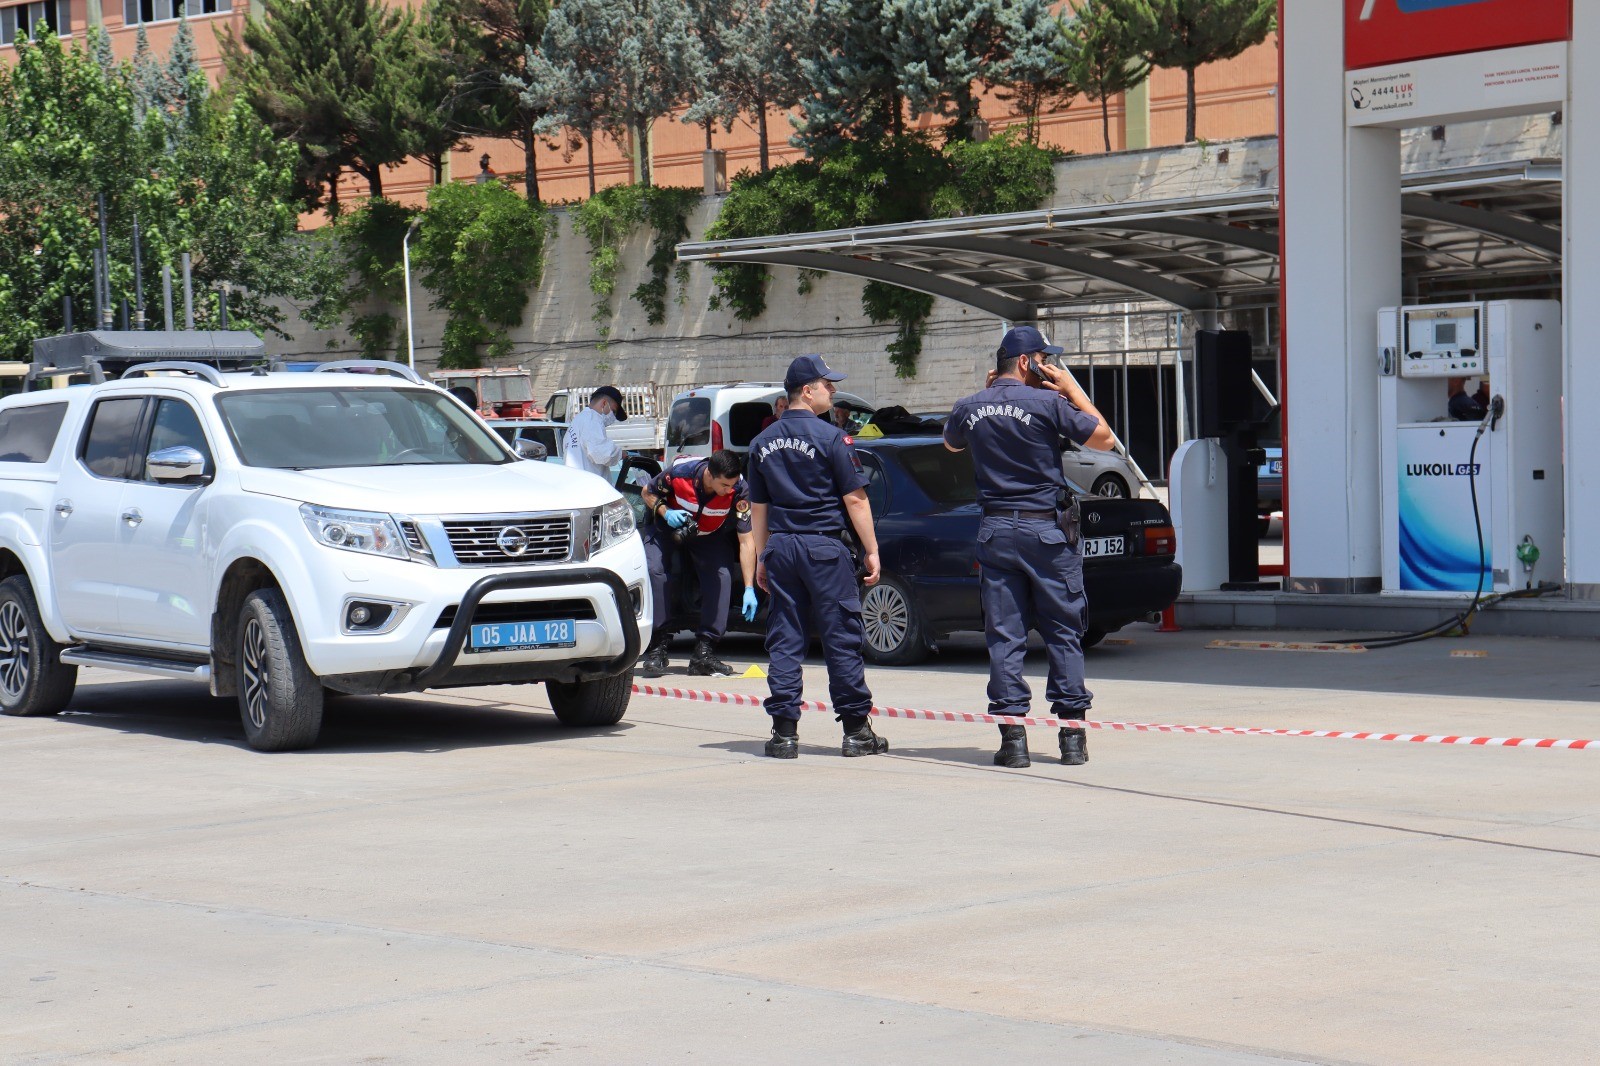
(103, 354)
(210, 373)
(399, 370)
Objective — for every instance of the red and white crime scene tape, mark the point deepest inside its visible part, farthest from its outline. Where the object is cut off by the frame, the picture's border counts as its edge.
(740, 699)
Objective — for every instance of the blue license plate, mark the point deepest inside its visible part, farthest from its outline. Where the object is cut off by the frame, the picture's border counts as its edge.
(520, 636)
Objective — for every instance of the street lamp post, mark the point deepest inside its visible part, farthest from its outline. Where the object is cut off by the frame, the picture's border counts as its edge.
(405, 257)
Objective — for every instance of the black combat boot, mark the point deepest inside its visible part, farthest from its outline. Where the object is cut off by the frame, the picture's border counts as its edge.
(859, 739)
(703, 664)
(1074, 747)
(785, 741)
(654, 663)
(1013, 751)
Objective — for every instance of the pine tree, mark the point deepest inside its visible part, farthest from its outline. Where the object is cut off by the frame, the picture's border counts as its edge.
(1102, 54)
(183, 63)
(759, 69)
(1188, 34)
(621, 63)
(149, 82)
(100, 46)
(714, 23)
(487, 44)
(413, 92)
(940, 50)
(1034, 72)
(312, 70)
(854, 81)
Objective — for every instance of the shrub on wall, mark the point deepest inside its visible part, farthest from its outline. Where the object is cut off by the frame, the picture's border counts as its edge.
(480, 251)
(900, 179)
(608, 217)
(357, 257)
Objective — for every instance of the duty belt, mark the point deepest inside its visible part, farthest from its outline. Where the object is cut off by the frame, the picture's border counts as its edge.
(1047, 516)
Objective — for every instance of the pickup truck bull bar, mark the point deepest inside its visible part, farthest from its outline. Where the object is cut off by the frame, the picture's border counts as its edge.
(456, 638)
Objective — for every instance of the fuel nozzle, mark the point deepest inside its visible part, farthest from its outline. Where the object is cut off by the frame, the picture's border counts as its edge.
(1497, 410)
(1528, 555)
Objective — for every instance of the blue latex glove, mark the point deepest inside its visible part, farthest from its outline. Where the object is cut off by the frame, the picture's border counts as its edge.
(749, 607)
(675, 519)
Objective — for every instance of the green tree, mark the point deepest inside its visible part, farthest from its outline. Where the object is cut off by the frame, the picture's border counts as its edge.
(414, 99)
(485, 43)
(1033, 74)
(314, 71)
(206, 178)
(713, 22)
(942, 49)
(148, 80)
(623, 63)
(760, 69)
(480, 250)
(1188, 34)
(183, 63)
(855, 86)
(1101, 55)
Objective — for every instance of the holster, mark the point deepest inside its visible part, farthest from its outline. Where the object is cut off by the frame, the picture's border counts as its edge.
(1068, 517)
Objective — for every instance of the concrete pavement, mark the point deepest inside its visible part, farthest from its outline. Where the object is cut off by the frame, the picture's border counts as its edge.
(453, 878)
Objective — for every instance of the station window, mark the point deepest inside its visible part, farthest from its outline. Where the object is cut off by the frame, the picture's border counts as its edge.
(136, 11)
(20, 19)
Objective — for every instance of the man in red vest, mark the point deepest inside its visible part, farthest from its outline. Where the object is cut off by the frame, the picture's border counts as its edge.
(701, 507)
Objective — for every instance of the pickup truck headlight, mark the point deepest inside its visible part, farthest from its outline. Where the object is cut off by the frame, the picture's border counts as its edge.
(356, 531)
(616, 523)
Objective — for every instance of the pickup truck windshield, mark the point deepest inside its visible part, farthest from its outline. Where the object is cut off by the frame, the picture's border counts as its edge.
(315, 429)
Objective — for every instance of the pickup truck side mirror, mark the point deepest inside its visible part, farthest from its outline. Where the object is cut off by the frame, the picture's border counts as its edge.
(531, 449)
(179, 463)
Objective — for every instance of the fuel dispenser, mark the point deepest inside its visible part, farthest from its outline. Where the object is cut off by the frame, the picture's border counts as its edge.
(1471, 407)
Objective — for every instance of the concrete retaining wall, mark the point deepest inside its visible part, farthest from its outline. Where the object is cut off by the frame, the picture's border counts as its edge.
(560, 342)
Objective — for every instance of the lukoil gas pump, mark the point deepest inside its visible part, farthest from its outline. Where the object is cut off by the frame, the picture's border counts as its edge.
(1471, 407)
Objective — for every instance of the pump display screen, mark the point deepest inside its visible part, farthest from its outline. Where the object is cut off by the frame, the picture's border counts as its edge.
(1442, 342)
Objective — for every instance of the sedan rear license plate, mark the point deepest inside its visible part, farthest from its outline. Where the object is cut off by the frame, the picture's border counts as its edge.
(1095, 546)
(521, 636)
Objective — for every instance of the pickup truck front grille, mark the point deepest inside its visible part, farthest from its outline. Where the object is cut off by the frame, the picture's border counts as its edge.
(506, 541)
(533, 611)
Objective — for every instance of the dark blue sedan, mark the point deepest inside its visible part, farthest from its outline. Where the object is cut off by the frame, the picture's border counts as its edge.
(924, 505)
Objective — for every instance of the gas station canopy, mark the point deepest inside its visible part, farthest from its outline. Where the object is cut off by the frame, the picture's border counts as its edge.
(1469, 233)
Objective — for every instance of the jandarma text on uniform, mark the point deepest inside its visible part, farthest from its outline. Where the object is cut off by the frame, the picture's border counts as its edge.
(992, 409)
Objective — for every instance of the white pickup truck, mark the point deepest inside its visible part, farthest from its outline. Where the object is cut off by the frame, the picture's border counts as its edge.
(280, 535)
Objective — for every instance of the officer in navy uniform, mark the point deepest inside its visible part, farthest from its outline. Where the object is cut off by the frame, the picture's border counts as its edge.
(1030, 576)
(807, 489)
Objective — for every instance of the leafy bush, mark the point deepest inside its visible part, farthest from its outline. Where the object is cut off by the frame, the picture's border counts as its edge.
(609, 216)
(480, 251)
(354, 258)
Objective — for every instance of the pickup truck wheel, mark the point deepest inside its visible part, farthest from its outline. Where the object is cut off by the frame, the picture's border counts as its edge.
(33, 680)
(280, 699)
(591, 704)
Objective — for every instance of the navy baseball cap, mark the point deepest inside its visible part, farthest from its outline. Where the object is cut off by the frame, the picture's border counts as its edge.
(808, 368)
(612, 393)
(1025, 340)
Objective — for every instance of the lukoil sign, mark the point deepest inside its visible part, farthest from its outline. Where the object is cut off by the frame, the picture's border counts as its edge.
(1379, 32)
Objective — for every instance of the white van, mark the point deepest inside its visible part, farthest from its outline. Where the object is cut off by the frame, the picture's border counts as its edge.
(716, 417)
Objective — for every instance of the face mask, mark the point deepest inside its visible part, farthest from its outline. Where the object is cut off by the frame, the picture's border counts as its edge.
(608, 418)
